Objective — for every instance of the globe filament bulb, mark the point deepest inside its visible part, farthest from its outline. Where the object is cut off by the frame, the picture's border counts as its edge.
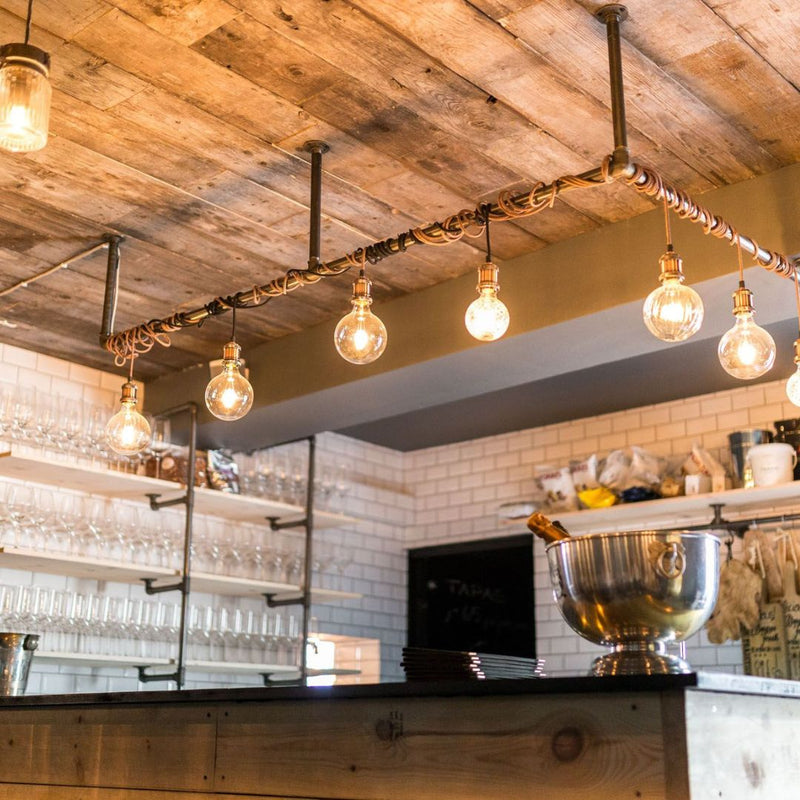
(229, 395)
(360, 336)
(128, 431)
(746, 351)
(487, 318)
(672, 312)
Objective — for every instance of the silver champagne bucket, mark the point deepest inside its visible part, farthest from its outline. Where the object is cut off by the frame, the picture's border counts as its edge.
(636, 592)
(16, 654)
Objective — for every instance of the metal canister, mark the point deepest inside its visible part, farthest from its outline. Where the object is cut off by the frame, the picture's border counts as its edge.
(16, 654)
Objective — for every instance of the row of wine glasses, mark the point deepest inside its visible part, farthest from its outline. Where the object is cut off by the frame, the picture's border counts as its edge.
(104, 625)
(281, 473)
(87, 526)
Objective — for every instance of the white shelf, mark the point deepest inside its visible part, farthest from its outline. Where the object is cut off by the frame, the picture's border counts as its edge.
(227, 667)
(99, 569)
(26, 464)
(675, 512)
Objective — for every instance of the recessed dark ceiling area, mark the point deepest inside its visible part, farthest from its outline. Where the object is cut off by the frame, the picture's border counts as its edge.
(685, 371)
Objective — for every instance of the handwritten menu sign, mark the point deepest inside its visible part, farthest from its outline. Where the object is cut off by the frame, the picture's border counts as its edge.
(474, 595)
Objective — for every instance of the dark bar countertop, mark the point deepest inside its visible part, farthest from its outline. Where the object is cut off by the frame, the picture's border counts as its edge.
(698, 681)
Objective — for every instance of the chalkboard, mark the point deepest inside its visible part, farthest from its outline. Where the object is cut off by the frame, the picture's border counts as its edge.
(475, 595)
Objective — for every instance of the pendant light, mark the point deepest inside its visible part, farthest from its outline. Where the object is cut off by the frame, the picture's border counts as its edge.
(746, 351)
(128, 431)
(24, 94)
(229, 396)
(360, 336)
(487, 317)
(672, 312)
(793, 384)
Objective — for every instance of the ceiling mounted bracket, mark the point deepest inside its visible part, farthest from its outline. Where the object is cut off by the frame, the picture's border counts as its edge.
(316, 148)
(612, 15)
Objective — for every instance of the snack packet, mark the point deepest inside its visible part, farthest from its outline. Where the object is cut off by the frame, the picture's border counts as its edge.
(559, 490)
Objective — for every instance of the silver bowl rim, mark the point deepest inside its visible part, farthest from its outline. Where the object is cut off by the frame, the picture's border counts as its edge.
(684, 534)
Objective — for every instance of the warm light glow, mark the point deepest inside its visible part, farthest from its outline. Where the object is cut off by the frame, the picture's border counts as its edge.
(746, 351)
(673, 312)
(229, 396)
(793, 387)
(24, 98)
(360, 337)
(487, 317)
(128, 431)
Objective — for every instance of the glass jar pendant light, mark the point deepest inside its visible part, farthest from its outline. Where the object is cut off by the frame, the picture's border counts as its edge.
(487, 317)
(360, 336)
(24, 94)
(746, 351)
(229, 396)
(673, 312)
(128, 431)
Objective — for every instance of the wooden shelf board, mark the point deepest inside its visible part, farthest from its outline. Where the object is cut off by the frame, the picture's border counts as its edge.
(26, 464)
(676, 511)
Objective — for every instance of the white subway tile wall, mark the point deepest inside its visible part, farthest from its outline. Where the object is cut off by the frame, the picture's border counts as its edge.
(434, 496)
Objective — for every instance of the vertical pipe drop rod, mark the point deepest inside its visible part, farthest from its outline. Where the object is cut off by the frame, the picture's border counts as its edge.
(112, 289)
(612, 15)
(316, 148)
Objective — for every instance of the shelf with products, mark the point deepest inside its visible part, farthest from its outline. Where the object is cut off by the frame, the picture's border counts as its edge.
(696, 509)
(24, 463)
(102, 569)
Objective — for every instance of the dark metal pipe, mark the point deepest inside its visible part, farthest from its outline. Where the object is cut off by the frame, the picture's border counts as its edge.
(612, 15)
(112, 289)
(187, 545)
(316, 148)
(308, 567)
(595, 176)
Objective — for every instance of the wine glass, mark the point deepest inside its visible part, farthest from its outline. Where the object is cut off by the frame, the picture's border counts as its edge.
(161, 441)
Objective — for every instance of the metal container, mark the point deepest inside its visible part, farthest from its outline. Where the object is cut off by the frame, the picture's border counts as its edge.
(788, 431)
(636, 592)
(16, 654)
(740, 443)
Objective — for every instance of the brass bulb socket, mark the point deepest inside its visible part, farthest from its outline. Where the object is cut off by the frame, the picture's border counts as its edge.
(797, 351)
(671, 265)
(231, 351)
(25, 55)
(129, 392)
(487, 276)
(362, 288)
(743, 301)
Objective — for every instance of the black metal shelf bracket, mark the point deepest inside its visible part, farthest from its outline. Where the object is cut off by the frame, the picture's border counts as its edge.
(276, 525)
(157, 505)
(274, 602)
(149, 588)
(146, 677)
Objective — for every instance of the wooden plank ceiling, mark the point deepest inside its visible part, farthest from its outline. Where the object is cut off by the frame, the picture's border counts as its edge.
(180, 124)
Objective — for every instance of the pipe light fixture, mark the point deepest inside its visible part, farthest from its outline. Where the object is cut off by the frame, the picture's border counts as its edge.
(487, 317)
(746, 351)
(673, 312)
(24, 94)
(229, 396)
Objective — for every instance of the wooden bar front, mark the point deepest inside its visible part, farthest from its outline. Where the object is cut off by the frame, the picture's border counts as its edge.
(697, 736)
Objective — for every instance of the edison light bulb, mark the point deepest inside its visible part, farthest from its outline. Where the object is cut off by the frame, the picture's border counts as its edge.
(793, 387)
(24, 97)
(229, 396)
(128, 432)
(360, 336)
(487, 317)
(672, 312)
(746, 351)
